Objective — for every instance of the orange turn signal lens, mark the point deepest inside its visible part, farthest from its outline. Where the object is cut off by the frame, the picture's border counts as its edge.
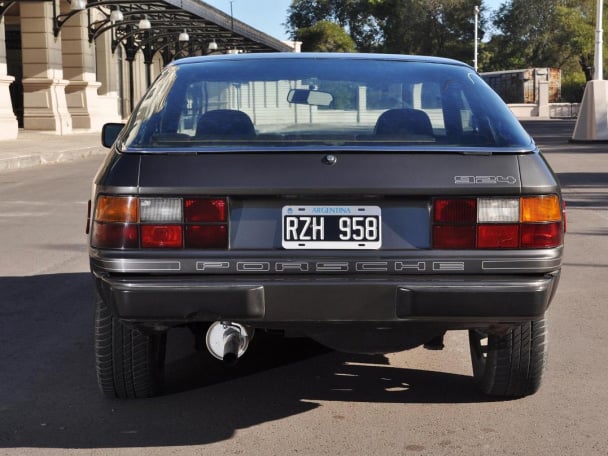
(541, 209)
(122, 209)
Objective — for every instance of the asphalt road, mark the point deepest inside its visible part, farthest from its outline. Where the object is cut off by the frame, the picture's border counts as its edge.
(287, 397)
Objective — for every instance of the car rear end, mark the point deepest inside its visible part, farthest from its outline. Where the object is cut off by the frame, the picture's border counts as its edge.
(327, 217)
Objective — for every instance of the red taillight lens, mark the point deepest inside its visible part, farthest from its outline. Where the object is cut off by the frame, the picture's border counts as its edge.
(114, 236)
(454, 237)
(458, 210)
(207, 236)
(454, 226)
(529, 222)
(541, 235)
(207, 228)
(498, 236)
(541, 222)
(160, 223)
(161, 236)
(204, 210)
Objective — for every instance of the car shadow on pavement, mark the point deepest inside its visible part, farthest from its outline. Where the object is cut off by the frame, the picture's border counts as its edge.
(583, 180)
(49, 396)
(584, 190)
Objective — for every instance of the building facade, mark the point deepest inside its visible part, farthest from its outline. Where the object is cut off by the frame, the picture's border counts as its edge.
(74, 65)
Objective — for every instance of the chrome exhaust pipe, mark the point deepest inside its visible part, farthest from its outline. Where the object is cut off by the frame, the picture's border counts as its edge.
(228, 341)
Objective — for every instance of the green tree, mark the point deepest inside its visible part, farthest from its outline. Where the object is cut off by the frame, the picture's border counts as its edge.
(325, 36)
(354, 16)
(526, 33)
(435, 27)
(431, 27)
(542, 33)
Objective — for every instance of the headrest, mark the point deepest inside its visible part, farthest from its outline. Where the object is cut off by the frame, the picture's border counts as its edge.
(224, 124)
(403, 123)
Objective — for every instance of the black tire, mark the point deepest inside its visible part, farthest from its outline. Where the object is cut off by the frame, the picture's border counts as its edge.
(512, 364)
(129, 363)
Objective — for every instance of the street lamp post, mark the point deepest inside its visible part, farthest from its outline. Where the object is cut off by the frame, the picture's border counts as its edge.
(599, 42)
(476, 13)
(231, 17)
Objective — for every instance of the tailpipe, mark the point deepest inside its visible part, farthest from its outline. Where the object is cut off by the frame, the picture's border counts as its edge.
(228, 341)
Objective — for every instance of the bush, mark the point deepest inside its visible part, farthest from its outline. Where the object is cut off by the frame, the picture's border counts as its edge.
(573, 87)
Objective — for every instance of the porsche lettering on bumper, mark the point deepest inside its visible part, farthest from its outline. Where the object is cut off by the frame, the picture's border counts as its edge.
(322, 266)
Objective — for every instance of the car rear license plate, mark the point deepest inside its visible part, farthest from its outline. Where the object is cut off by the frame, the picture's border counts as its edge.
(332, 227)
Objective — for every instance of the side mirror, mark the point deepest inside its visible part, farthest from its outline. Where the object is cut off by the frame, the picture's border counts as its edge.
(110, 132)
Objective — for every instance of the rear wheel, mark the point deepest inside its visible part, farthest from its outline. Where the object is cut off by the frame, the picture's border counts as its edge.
(511, 364)
(129, 362)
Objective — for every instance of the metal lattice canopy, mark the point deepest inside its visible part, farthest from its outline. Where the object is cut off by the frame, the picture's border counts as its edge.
(204, 24)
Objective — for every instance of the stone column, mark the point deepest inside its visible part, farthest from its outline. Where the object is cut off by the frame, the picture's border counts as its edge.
(361, 104)
(543, 100)
(139, 77)
(44, 100)
(8, 121)
(108, 75)
(79, 69)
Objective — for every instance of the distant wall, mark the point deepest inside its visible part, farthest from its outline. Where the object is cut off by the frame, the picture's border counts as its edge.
(522, 86)
(556, 110)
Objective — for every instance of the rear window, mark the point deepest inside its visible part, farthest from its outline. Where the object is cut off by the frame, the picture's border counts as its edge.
(304, 103)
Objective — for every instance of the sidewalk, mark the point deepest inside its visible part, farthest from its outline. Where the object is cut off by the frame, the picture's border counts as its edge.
(33, 148)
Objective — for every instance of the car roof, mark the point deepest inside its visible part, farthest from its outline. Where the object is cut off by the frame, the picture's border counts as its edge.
(320, 55)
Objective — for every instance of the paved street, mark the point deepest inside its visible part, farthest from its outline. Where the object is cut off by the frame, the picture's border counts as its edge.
(288, 397)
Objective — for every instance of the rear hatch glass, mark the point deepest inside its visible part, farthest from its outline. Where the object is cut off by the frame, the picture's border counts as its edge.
(299, 104)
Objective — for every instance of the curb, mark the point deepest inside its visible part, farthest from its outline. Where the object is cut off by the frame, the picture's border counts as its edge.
(26, 161)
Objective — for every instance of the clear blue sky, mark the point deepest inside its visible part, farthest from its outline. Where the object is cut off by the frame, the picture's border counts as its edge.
(265, 15)
(269, 15)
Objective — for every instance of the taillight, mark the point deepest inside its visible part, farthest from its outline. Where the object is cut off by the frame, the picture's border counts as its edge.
(541, 209)
(119, 209)
(115, 236)
(528, 222)
(161, 210)
(206, 223)
(455, 211)
(115, 223)
(161, 236)
(122, 222)
(207, 236)
(541, 235)
(454, 237)
(499, 236)
(205, 210)
(454, 223)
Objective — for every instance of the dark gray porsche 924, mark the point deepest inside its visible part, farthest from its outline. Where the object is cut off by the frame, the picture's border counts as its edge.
(370, 202)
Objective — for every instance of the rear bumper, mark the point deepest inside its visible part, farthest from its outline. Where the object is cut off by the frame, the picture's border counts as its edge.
(267, 300)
